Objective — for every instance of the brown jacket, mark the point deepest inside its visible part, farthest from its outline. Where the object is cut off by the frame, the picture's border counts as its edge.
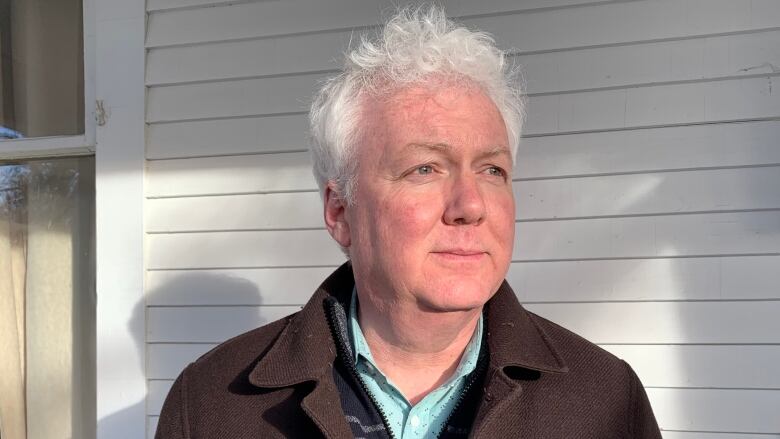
(276, 381)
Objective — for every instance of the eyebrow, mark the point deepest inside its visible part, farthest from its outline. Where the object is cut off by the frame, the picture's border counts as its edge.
(494, 152)
(438, 147)
(443, 147)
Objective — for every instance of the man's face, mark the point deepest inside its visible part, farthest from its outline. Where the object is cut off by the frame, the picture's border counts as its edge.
(433, 219)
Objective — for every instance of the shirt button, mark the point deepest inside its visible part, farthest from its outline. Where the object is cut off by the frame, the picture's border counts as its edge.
(415, 421)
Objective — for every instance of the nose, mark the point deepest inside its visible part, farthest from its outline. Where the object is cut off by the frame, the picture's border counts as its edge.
(465, 204)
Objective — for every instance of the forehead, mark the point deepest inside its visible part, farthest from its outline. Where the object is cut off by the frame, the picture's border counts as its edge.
(457, 115)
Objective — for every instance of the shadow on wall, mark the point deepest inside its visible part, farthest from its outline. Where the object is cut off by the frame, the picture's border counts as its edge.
(166, 322)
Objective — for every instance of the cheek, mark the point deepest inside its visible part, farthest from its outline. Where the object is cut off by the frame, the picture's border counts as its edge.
(408, 218)
(504, 214)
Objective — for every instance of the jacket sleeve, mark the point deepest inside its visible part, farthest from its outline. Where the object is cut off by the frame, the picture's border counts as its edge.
(173, 422)
(642, 423)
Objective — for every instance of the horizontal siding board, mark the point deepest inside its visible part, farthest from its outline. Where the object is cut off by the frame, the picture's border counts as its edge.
(684, 147)
(235, 59)
(748, 411)
(157, 5)
(578, 69)
(721, 278)
(676, 104)
(648, 63)
(754, 277)
(273, 286)
(712, 101)
(636, 237)
(662, 236)
(667, 322)
(243, 249)
(457, 7)
(632, 194)
(702, 366)
(627, 22)
(257, 19)
(208, 324)
(225, 175)
(166, 360)
(586, 26)
(255, 211)
(227, 136)
(652, 193)
(229, 99)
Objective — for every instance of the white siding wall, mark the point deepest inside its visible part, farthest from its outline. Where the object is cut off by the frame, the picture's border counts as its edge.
(647, 184)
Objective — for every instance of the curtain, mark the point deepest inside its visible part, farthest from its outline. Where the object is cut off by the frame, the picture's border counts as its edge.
(13, 267)
(52, 224)
(47, 299)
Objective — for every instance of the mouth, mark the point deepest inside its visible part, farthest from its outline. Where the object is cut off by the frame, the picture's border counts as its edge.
(461, 254)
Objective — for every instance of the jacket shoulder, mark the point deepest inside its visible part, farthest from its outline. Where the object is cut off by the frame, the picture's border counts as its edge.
(616, 399)
(219, 378)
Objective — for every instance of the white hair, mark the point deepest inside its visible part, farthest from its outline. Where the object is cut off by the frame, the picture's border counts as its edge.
(414, 45)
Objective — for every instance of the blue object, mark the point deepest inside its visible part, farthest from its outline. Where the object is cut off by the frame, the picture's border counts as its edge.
(8, 133)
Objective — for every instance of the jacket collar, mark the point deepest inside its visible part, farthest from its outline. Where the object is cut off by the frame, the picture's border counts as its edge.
(514, 338)
(305, 350)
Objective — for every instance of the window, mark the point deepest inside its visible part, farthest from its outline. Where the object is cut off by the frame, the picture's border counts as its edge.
(41, 68)
(47, 299)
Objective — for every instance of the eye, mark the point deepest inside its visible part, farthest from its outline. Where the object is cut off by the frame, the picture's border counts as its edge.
(496, 171)
(424, 170)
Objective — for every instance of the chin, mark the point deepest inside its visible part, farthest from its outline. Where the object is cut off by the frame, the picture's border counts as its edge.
(457, 295)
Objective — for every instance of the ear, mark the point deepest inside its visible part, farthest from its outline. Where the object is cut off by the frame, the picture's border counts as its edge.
(335, 216)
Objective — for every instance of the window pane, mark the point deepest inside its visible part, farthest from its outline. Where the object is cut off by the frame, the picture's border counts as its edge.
(41, 68)
(47, 300)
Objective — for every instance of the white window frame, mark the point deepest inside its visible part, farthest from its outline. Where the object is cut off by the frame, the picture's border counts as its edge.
(118, 146)
(54, 146)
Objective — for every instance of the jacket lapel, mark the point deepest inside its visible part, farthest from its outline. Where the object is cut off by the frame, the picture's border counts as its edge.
(518, 349)
(323, 407)
(305, 352)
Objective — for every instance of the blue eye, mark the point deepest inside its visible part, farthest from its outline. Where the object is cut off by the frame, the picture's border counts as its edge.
(425, 169)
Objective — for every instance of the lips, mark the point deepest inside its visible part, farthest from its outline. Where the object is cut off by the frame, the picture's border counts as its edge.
(460, 254)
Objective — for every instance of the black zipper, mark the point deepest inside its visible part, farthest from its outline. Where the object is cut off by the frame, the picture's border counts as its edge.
(349, 363)
(476, 375)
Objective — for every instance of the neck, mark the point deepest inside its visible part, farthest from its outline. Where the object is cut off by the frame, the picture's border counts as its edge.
(417, 350)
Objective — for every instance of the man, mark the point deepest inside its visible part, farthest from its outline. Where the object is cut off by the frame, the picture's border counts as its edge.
(418, 336)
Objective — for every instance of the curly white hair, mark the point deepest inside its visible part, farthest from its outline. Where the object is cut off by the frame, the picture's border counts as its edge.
(414, 45)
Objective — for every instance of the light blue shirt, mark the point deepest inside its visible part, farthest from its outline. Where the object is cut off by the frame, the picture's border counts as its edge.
(427, 418)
